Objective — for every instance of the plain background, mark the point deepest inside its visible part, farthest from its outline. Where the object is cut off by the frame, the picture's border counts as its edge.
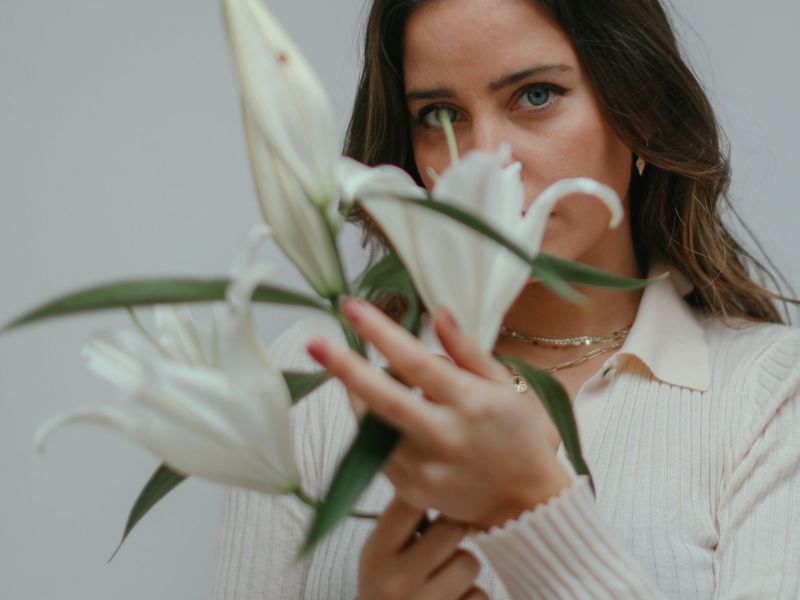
(121, 155)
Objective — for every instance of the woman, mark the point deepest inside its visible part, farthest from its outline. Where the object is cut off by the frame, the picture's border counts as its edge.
(686, 394)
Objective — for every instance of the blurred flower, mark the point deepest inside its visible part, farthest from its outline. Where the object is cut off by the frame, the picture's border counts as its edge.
(291, 140)
(206, 401)
(451, 264)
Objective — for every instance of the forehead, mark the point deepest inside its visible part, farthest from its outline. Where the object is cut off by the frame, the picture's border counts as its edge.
(458, 39)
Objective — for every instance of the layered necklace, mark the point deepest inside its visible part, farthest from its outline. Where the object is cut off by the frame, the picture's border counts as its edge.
(603, 344)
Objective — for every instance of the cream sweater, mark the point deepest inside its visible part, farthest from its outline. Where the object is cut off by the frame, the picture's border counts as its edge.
(692, 433)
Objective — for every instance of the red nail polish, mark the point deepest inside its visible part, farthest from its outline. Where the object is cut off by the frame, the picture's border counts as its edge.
(352, 310)
(451, 320)
(318, 351)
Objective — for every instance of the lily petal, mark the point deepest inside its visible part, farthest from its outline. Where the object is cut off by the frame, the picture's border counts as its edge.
(535, 220)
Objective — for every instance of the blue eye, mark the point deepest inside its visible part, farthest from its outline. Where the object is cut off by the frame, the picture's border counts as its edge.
(538, 95)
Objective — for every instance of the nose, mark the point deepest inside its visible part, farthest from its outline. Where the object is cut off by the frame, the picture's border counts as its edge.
(485, 134)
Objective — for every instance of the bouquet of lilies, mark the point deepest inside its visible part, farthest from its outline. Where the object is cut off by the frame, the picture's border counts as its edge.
(206, 400)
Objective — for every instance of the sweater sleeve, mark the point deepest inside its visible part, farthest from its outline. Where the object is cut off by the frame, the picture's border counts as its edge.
(566, 549)
(260, 534)
(759, 509)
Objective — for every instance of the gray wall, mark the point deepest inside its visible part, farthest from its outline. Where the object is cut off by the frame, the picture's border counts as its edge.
(121, 155)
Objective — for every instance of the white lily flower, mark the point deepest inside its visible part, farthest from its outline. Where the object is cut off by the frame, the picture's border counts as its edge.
(452, 265)
(205, 400)
(291, 140)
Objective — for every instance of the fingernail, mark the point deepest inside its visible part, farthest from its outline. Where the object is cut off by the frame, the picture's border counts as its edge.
(318, 350)
(449, 318)
(352, 310)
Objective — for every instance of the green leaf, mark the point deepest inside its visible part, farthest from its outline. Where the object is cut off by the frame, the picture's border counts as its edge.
(583, 274)
(160, 484)
(554, 272)
(548, 276)
(465, 218)
(365, 458)
(558, 406)
(382, 270)
(301, 384)
(145, 292)
(390, 274)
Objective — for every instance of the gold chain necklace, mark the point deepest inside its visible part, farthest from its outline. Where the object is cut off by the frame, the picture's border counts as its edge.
(562, 343)
(521, 385)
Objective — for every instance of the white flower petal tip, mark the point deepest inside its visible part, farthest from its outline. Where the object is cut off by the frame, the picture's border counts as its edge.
(514, 168)
(108, 416)
(580, 185)
(247, 271)
(260, 233)
(44, 431)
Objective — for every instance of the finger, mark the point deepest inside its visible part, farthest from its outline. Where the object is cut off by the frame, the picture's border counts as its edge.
(396, 526)
(434, 548)
(453, 579)
(475, 593)
(464, 349)
(406, 354)
(387, 398)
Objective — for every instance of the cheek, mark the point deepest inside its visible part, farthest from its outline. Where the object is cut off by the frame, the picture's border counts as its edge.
(579, 145)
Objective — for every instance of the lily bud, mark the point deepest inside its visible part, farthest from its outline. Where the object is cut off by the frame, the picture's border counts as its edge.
(291, 139)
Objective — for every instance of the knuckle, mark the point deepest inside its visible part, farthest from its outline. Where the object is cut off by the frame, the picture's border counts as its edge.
(413, 494)
(417, 364)
(393, 410)
(450, 444)
(481, 410)
(429, 475)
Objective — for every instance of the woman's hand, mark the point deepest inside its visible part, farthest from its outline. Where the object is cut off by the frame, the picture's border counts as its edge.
(398, 563)
(472, 448)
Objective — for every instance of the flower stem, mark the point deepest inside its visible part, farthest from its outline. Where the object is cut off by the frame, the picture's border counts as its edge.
(449, 134)
(332, 234)
(351, 336)
(312, 502)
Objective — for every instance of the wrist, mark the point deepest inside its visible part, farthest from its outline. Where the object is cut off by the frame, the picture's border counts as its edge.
(527, 497)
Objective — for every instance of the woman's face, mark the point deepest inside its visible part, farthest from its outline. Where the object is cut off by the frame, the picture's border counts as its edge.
(506, 73)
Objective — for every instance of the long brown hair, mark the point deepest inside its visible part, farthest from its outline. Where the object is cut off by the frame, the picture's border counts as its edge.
(624, 46)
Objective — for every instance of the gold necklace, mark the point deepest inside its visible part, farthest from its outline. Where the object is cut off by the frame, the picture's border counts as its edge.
(521, 385)
(562, 343)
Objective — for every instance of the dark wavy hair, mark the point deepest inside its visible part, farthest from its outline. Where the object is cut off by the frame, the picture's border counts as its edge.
(625, 47)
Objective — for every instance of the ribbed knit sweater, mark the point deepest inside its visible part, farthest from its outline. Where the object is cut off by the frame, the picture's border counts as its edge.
(691, 431)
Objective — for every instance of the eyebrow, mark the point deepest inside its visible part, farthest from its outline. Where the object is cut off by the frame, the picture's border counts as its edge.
(494, 86)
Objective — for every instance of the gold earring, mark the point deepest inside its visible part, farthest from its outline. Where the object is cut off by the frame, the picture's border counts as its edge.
(640, 164)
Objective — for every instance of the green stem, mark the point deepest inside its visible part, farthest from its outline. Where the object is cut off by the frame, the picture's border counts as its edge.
(312, 502)
(449, 134)
(330, 228)
(352, 337)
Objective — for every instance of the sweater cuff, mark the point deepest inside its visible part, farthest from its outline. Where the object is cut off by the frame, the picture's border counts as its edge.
(563, 549)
